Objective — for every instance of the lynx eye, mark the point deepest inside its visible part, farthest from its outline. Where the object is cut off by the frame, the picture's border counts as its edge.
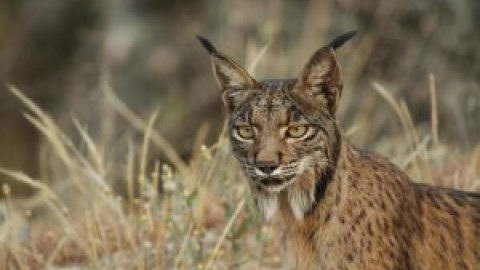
(296, 132)
(245, 132)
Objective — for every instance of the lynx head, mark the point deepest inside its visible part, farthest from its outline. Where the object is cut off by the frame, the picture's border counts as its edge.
(284, 132)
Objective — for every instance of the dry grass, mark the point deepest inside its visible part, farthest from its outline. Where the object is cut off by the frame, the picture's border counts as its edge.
(203, 219)
(203, 216)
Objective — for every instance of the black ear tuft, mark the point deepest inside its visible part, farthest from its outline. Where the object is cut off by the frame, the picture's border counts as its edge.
(337, 42)
(207, 44)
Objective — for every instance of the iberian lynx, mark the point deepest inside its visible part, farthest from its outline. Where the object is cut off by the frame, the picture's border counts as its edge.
(341, 207)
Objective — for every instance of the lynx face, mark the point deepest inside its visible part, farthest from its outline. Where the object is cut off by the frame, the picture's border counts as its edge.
(283, 132)
(273, 138)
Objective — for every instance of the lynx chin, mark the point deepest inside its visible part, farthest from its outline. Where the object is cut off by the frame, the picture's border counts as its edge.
(340, 207)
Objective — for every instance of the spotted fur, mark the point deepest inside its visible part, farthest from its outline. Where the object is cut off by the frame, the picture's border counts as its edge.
(341, 208)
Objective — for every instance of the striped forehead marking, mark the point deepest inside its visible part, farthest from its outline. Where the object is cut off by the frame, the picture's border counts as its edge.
(271, 104)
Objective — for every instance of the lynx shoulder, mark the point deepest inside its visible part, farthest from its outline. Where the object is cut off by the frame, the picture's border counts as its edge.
(341, 208)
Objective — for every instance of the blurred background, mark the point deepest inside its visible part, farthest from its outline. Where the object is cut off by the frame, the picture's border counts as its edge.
(62, 53)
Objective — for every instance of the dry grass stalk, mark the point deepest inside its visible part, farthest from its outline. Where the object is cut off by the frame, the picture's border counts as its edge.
(136, 122)
(220, 241)
(434, 110)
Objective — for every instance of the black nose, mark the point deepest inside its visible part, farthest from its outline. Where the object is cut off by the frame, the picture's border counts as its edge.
(267, 169)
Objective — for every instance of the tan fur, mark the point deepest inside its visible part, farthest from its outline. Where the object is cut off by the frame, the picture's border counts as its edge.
(341, 208)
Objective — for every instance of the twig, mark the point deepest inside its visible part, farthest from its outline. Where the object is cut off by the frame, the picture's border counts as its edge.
(253, 65)
(434, 113)
(397, 108)
(420, 148)
(144, 153)
(140, 125)
(224, 233)
(186, 237)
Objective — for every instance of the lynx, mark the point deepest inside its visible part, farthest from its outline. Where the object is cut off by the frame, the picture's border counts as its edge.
(340, 207)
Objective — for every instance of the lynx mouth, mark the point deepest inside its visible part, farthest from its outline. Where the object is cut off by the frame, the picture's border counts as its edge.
(275, 184)
(272, 181)
(275, 181)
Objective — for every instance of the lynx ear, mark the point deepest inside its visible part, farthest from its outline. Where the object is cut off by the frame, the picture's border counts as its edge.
(320, 82)
(235, 83)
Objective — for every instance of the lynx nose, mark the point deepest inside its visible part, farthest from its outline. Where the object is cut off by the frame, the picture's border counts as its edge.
(267, 169)
(267, 160)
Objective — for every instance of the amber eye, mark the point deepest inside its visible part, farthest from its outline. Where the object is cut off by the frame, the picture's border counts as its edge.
(296, 131)
(245, 132)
